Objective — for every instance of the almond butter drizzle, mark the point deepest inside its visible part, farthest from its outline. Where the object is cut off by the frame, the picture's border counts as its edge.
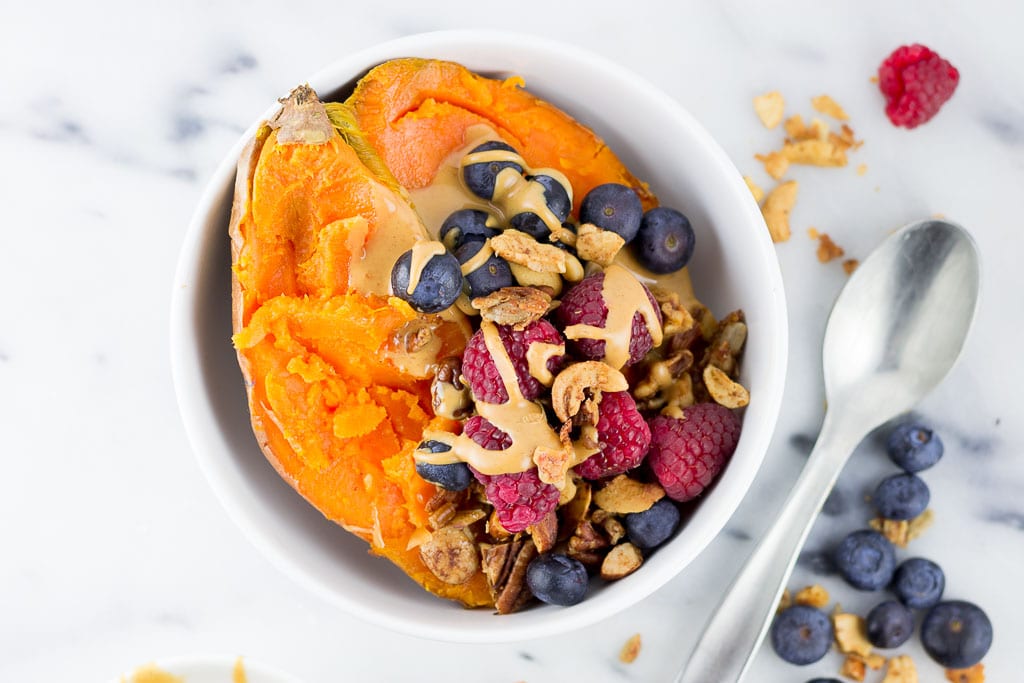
(396, 230)
(624, 297)
(422, 252)
(522, 419)
(537, 356)
(478, 259)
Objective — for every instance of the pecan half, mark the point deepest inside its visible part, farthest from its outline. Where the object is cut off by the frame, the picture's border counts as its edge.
(504, 567)
(545, 532)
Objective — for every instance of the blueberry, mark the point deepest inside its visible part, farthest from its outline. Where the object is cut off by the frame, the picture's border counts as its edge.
(824, 680)
(613, 207)
(956, 634)
(665, 241)
(802, 634)
(889, 624)
(454, 477)
(557, 579)
(480, 177)
(866, 560)
(439, 286)
(465, 225)
(914, 447)
(653, 526)
(558, 202)
(919, 583)
(901, 496)
(489, 277)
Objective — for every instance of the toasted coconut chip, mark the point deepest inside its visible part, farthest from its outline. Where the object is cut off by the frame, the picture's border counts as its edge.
(769, 108)
(776, 208)
(621, 561)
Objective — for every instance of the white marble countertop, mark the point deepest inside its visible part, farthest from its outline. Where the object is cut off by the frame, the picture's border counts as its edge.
(113, 115)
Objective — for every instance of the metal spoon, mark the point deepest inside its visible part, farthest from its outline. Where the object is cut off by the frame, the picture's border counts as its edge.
(895, 331)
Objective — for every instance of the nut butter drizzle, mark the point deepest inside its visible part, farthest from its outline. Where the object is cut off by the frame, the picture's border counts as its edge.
(624, 297)
(523, 420)
(537, 356)
(478, 259)
(422, 252)
(514, 194)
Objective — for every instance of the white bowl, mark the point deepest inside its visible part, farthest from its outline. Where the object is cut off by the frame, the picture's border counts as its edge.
(734, 267)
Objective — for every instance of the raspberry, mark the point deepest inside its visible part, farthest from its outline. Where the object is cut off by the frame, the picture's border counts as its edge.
(916, 82)
(482, 374)
(520, 498)
(623, 435)
(584, 305)
(687, 454)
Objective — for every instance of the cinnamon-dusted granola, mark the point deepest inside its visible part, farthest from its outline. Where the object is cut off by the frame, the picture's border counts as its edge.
(754, 188)
(451, 555)
(812, 596)
(854, 668)
(515, 306)
(598, 245)
(587, 544)
(576, 392)
(621, 561)
(609, 524)
(723, 389)
(769, 108)
(726, 345)
(975, 674)
(785, 602)
(576, 510)
(827, 249)
(900, 531)
(518, 247)
(553, 464)
(624, 495)
(829, 107)
(851, 634)
(775, 164)
(776, 208)
(631, 650)
(901, 670)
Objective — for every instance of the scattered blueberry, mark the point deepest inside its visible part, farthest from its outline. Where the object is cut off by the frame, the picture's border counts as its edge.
(665, 241)
(613, 207)
(480, 177)
(889, 624)
(956, 634)
(489, 277)
(824, 680)
(454, 477)
(866, 560)
(901, 496)
(919, 583)
(439, 286)
(653, 526)
(801, 634)
(914, 447)
(557, 579)
(465, 225)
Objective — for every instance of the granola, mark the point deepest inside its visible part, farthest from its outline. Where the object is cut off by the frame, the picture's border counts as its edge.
(515, 306)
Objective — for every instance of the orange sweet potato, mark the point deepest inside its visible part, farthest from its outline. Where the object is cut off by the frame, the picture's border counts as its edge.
(331, 411)
(416, 112)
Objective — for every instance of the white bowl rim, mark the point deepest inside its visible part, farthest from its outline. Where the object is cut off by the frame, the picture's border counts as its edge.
(729, 490)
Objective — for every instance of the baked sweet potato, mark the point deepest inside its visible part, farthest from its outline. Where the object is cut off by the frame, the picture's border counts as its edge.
(338, 401)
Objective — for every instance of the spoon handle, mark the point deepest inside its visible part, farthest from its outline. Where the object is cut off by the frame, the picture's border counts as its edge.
(739, 624)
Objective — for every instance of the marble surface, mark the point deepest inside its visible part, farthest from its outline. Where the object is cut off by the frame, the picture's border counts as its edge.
(113, 116)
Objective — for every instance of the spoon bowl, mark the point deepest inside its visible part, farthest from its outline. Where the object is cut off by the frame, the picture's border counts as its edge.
(895, 331)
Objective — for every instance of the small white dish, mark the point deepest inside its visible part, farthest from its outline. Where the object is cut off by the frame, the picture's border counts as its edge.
(734, 267)
(213, 669)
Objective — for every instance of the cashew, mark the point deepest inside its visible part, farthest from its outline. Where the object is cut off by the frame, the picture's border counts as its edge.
(571, 386)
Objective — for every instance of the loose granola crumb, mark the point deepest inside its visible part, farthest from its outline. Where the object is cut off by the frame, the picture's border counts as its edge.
(515, 306)
(851, 634)
(813, 596)
(815, 153)
(850, 265)
(775, 164)
(776, 208)
(623, 495)
(918, 525)
(975, 674)
(813, 233)
(631, 650)
(595, 244)
(754, 188)
(854, 667)
(769, 108)
(827, 249)
(901, 670)
(518, 247)
(862, 169)
(829, 107)
(785, 602)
